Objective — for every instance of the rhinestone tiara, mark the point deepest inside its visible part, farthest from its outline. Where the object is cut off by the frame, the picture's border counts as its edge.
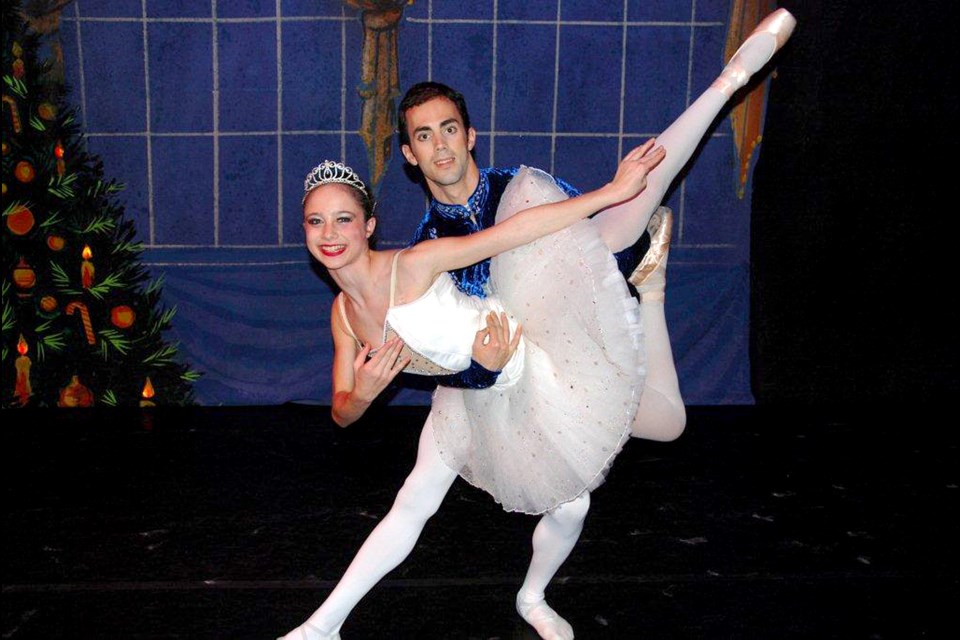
(329, 171)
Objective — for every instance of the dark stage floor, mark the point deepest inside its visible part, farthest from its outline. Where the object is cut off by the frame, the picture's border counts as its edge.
(234, 523)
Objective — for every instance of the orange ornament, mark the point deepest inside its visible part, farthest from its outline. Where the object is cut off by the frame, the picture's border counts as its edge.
(18, 69)
(47, 111)
(48, 303)
(122, 316)
(20, 221)
(24, 276)
(24, 171)
(75, 395)
(56, 243)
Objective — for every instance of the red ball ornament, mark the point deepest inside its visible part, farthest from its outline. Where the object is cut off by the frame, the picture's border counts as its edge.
(56, 243)
(122, 316)
(47, 111)
(24, 276)
(20, 221)
(48, 304)
(24, 172)
(75, 394)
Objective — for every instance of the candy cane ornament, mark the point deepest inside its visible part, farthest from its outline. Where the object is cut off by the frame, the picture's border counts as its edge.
(14, 113)
(84, 317)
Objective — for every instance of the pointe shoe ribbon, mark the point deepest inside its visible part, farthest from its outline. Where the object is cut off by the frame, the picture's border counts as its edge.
(779, 25)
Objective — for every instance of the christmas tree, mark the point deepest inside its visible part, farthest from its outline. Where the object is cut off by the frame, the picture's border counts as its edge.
(82, 319)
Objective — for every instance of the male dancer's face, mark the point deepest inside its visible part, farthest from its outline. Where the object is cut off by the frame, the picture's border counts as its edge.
(440, 146)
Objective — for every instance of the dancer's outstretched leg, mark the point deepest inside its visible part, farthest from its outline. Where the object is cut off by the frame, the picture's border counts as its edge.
(661, 414)
(390, 542)
(553, 540)
(621, 226)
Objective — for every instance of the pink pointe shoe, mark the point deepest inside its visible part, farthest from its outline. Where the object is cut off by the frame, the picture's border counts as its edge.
(307, 631)
(768, 38)
(650, 276)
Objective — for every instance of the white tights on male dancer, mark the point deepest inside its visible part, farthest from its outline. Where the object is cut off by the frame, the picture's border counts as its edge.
(558, 530)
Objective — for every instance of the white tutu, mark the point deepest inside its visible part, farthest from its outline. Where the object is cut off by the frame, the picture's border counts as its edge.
(553, 434)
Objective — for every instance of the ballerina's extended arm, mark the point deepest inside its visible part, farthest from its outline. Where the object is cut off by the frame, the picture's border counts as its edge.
(434, 257)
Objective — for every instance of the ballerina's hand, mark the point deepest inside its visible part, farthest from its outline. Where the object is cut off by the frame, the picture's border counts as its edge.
(631, 177)
(372, 376)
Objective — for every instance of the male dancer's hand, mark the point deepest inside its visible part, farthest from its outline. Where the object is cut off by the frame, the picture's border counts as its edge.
(493, 347)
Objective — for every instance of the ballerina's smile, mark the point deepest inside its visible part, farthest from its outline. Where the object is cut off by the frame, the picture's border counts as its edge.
(332, 250)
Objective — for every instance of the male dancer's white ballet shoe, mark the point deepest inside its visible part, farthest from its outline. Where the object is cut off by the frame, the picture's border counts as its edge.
(650, 276)
(547, 622)
(768, 38)
(307, 631)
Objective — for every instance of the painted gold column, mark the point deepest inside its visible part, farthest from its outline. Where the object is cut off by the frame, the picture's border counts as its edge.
(380, 81)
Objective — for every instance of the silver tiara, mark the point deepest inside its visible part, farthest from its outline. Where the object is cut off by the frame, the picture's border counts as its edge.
(329, 171)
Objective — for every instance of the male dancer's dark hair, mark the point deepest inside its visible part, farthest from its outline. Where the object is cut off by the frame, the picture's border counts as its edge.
(424, 92)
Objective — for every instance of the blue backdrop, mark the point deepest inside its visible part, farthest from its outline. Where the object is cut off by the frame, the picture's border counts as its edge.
(212, 112)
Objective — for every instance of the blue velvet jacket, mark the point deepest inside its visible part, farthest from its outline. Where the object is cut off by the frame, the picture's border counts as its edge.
(445, 220)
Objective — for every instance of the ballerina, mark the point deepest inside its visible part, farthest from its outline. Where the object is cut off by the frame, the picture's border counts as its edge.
(337, 229)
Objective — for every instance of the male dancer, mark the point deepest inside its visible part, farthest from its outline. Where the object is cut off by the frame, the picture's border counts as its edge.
(439, 140)
(436, 136)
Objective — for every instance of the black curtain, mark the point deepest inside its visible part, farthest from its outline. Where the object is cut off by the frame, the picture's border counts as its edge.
(854, 277)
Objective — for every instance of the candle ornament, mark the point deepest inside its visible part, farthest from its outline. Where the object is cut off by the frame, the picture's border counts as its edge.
(86, 268)
(147, 394)
(22, 389)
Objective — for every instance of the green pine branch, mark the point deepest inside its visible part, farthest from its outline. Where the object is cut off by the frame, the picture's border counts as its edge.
(62, 186)
(55, 342)
(113, 338)
(61, 279)
(16, 85)
(52, 220)
(109, 398)
(154, 285)
(15, 206)
(37, 124)
(108, 284)
(163, 355)
(162, 321)
(9, 316)
(101, 187)
(127, 247)
(190, 375)
(100, 224)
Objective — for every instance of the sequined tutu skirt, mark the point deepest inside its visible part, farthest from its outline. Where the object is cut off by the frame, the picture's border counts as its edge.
(554, 432)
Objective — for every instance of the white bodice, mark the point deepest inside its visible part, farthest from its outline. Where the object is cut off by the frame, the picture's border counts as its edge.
(442, 324)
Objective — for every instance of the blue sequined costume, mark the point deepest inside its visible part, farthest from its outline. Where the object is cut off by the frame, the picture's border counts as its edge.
(444, 220)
